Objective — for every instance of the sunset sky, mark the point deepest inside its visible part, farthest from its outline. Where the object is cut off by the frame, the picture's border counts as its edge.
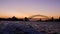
(22, 8)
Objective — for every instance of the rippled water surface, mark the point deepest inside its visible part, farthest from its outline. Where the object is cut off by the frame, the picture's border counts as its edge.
(23, 27)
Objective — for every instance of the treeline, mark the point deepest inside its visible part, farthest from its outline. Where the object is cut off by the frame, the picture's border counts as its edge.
(27, 19)
(51, 20)
(14, 19)
(54, 20)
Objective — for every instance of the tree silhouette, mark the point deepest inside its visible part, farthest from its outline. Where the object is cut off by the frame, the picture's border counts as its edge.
(14, 18)
(52, 19)
(59, 19)
(26, 19)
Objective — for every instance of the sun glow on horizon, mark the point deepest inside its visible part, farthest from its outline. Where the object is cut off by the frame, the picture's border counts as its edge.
(26, 8)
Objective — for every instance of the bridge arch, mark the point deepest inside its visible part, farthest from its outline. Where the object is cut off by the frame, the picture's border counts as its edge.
(43, 16)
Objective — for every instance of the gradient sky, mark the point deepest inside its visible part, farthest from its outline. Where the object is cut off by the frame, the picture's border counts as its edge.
(22, 8)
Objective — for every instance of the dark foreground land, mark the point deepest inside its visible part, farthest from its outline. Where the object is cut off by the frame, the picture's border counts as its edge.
(26, 27)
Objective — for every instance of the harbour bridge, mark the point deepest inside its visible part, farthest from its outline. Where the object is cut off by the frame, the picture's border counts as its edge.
(38, 16)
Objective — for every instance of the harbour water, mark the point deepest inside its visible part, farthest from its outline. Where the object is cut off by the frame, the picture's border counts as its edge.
(29, 27)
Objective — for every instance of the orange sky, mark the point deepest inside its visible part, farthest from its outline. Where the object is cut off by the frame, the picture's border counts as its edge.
(26, 8)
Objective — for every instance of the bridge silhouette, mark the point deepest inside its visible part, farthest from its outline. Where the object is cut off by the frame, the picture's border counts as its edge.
(44, 17)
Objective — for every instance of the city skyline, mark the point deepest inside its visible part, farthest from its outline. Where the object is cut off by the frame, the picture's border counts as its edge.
(26, 8)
